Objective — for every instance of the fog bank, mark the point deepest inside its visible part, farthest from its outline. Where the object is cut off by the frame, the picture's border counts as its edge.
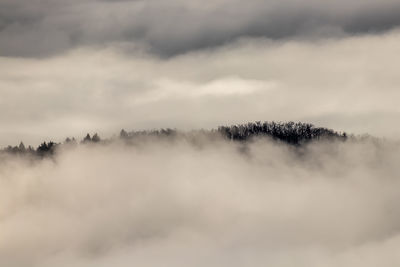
(214, 204)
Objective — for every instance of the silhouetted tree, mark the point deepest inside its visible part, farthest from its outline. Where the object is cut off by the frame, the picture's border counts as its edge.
(87, 139)
(21, 147)
(123, 134)
(95, 138)
(290, 132)
(46, 149)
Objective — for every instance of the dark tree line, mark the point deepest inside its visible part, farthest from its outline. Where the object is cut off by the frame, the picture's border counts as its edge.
(288, 132)
(19, 149)
(156, 133)
(48, 148)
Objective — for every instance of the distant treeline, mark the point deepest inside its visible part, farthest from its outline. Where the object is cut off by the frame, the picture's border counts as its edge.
(288, 132)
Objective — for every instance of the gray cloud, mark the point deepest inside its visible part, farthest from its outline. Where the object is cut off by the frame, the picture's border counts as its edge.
(348, 84)
(39, 28)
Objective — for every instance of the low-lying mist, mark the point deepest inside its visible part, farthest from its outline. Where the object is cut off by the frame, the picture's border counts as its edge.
(212, 203)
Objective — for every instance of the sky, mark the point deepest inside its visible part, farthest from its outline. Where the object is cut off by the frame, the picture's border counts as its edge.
(72, 67)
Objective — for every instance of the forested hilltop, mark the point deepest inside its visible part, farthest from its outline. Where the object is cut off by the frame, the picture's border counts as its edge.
(291, 133)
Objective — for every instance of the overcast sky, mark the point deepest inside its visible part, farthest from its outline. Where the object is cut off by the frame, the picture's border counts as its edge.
(71, 67)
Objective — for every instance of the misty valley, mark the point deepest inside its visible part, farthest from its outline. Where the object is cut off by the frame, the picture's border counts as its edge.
(281, 194)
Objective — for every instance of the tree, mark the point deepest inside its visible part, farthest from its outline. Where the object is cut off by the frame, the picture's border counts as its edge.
(87, 139)
(95, 138)
(21, 147)
(45, 149)
(123, 134)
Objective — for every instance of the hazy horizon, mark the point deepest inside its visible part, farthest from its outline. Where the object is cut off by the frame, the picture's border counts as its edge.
(72, 67)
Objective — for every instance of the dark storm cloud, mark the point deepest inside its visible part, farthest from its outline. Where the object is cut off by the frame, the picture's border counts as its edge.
(42, 27)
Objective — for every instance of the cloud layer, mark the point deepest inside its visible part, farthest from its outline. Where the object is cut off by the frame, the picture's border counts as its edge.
(348, 84)
(37, 28)
(71, 67)
(174, 204)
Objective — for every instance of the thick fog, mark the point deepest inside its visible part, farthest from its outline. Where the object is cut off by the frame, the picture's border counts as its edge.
(209, 203)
